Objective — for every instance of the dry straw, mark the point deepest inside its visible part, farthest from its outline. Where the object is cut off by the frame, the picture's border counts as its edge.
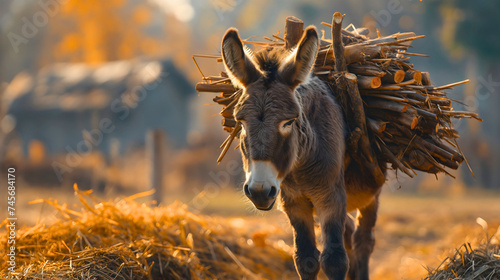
(482, 263)
(124, 239)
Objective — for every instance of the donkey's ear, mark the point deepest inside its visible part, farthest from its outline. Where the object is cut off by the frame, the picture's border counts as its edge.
(238, 65)
(297, 68)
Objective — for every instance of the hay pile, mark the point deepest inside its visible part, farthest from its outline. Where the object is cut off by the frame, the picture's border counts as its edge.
(482, 263)
(128, 240)
(393, 112)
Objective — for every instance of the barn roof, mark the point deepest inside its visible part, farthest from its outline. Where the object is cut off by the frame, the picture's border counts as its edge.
(80, 87)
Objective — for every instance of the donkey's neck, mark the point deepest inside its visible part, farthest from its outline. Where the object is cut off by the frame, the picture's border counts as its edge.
(307, 137)
(320, 118)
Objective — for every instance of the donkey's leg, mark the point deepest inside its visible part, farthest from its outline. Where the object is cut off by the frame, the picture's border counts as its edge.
(349, 230)
(300, 213)
(364, 240)
(331, 210)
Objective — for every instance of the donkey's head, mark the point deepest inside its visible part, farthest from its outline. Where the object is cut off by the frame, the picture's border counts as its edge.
(269, 110)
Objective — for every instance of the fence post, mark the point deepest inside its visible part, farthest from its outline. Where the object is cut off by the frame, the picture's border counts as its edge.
(154, 147)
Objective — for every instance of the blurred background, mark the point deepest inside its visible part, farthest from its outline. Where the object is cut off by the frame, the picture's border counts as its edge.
(82, 84)
(93, 91)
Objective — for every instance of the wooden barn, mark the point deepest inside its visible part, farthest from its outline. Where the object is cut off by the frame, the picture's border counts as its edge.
(65, 105)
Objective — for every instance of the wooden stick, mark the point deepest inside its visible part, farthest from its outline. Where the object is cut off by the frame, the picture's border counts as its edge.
(327, 72)
(376, 126)
(386, 39)
(465, 113)
(426, 113)
(294, 28)
(395, 161)
(264, 44)
(227, 112)
(360, 120)
(347, 36)
(207, 56)
(204, 87)
(353, 140)
(226, 100)
(409, 82)
(368, 82)
(426, 79)
(413, 75)
(415, 54)
(352, 53)
(214, 78)
(360, 52)
(394, 77)
(395, 119)
(399, 41)
(279, 38)
(446, 162)
(388, 97)
(387, 105)
(433, 149)
(366, 70)
(228, 122)
(456, 154)
(362, 31)
(222, 100)
(338, 46)
(452, 85)
(349, 82)
(230, 138)
(466, 161)
(220, 81)
(420, 162)
(425, 97)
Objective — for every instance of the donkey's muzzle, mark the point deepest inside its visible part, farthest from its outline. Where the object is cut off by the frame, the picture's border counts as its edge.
(262, 185)
(262, 194)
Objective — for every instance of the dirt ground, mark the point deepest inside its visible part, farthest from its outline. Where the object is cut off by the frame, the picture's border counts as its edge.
(413, 232)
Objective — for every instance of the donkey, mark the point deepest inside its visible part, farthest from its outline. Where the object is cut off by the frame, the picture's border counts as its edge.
(293, 141)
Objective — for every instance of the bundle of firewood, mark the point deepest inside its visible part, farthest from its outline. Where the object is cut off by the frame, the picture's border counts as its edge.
(392, 111)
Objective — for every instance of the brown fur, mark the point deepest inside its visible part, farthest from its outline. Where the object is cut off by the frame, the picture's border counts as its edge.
(308, 158)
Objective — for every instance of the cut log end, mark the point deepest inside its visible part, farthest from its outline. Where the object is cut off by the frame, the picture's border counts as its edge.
(414, 123)
(228, 122)
(426, 79)
(338, 18)
(352, 77)
(293, 19)
(375, 82)
(368, 82)
(399, 76)
(413, 75)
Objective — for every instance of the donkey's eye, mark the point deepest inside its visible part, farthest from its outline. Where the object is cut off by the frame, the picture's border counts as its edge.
(286, 126)
(288, 123)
